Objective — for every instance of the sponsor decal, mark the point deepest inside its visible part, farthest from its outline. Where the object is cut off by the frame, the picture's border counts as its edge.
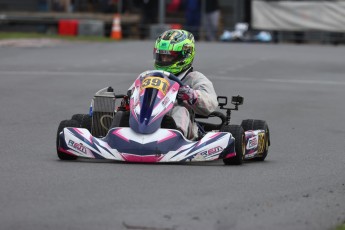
(214, 150)
(165, 101)
(78, 146)
(252, 142)
(203, 153)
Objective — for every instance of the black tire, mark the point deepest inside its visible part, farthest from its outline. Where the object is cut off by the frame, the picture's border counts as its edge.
(238, 133)
(64, 124)
(248, 124)
(121, 119)
(84, 120)
(260, 124)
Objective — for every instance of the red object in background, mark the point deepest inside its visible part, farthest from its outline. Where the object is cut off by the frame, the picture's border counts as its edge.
(175, 26)
(174, 6)
(68, 27)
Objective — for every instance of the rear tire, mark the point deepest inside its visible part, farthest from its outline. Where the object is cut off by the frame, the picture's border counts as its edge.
(238, 133)
(84, 120)
(64, 124)
(248, 124)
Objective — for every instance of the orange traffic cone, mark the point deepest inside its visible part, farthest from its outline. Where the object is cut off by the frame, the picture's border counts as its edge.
(116, 32)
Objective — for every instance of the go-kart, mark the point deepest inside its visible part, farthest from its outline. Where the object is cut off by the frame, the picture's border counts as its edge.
(138, 129)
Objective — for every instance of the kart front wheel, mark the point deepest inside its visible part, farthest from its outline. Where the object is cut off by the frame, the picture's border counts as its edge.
(240, 147)
(64, 124)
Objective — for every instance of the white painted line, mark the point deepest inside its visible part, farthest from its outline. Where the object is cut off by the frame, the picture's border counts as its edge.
(290, 81)
(298, 81)
(212, 77)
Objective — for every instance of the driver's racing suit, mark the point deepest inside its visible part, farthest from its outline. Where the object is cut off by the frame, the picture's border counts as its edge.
(206, 102)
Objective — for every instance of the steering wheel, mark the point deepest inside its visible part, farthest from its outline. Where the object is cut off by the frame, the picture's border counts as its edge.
(171, 76)
(174, 78)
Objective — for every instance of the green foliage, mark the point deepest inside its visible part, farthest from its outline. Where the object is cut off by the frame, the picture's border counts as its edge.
(341, 227)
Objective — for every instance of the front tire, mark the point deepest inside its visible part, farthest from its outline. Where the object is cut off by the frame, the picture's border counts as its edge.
(64, 124)
(240, 147)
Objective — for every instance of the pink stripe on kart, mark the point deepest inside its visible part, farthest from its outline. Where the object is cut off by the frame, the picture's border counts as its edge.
(65, 151)
(230, 155)
(214, 135)
(171, 135)
(117, 133)
(78, 131)
(162, 113)
(143, 159)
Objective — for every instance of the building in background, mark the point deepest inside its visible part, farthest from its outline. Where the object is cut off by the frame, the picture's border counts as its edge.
(231, 12)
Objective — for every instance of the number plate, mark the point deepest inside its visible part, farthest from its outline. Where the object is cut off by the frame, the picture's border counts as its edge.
(157, 83)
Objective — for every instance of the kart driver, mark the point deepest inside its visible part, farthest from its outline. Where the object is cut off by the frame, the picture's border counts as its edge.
(174, 52)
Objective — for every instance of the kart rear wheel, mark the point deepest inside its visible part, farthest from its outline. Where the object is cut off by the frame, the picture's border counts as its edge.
(240, 147)
(64, 124)
(260, 124)
(84, 120)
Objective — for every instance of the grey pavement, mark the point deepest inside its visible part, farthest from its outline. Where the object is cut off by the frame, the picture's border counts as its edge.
(297, 89)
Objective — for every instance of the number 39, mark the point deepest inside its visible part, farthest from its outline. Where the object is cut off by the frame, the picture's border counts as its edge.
(155, 83)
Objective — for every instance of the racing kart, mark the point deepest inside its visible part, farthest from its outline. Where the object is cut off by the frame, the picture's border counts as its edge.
(139, 129)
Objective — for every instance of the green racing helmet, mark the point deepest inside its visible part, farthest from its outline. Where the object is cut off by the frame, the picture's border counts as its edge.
(174, 51)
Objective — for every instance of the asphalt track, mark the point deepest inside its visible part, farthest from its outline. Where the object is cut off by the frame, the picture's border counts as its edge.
(297, 89)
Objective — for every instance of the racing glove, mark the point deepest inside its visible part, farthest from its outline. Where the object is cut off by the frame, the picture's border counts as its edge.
(186, 93)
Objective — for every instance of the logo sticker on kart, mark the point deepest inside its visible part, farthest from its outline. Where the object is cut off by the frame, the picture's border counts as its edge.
(166, 101)
(252, 142)
(78, 146)
(214, 150)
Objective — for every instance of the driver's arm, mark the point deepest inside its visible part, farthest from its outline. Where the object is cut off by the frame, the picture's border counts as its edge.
(206, 96)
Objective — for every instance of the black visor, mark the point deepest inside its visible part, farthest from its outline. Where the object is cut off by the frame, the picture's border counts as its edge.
(167, 58)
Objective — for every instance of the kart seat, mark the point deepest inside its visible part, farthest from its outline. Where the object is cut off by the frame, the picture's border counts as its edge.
(121, 119)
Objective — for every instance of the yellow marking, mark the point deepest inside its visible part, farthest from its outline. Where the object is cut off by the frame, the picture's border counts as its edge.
(261, 143)
(157, 83)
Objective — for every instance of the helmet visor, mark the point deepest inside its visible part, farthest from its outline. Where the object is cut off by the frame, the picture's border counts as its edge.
(166, 57)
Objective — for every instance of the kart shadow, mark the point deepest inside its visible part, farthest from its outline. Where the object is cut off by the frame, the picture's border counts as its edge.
(215, 163)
